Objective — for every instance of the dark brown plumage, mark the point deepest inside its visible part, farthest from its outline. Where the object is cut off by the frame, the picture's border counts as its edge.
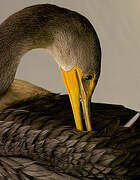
(38, 139)
(40, 132)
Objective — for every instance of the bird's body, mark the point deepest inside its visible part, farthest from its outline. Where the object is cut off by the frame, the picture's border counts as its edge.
(37, 134)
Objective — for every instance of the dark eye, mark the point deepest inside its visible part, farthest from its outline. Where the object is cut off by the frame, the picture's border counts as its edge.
(88, 77)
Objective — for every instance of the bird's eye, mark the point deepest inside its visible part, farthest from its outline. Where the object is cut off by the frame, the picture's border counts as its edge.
(88, 77)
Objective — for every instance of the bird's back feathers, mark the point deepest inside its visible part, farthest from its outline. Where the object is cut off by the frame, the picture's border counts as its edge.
(41, 130)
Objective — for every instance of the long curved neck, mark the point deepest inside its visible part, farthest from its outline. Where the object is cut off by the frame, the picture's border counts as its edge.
(63, 32)
(20, 33)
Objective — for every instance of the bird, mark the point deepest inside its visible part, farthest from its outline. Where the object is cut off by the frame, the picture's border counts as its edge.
(69, 37)
(38, 137)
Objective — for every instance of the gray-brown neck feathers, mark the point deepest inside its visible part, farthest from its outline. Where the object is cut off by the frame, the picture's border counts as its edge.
(66, 34)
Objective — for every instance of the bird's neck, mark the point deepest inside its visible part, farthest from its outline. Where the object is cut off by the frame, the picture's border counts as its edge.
(10, 55)
(18, 34)
(11, 52)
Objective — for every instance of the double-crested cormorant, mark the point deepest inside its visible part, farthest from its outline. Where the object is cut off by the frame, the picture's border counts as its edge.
(38, 139)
